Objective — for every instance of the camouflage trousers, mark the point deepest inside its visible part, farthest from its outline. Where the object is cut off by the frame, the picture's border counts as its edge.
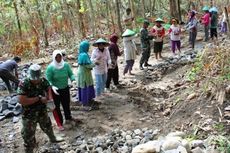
(30, 118)
(145, 55)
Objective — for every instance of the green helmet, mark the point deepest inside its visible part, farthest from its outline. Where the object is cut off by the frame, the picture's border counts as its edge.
(205, 8)
(35, 72)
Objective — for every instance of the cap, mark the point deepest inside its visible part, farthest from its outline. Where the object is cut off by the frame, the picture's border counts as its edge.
(35, 72)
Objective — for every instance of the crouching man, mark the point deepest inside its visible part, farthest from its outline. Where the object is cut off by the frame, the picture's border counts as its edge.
(33, 96)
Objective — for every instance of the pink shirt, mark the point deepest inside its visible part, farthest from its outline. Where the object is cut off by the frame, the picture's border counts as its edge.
(103, 58)
(206, 19)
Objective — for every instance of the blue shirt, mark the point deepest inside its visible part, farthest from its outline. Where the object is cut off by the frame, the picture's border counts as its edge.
(9, 65)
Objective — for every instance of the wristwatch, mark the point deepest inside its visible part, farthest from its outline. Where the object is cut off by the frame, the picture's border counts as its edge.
(40, 97)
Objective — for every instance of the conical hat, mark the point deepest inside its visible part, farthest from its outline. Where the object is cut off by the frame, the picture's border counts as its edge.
(205, 8)
(128, 32)
(159, 20)
(100, 41)
(213, 9)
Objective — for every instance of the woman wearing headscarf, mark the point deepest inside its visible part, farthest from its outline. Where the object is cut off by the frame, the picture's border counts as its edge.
(113, 72)
(101, 57)
(58, 72)
(86, 92)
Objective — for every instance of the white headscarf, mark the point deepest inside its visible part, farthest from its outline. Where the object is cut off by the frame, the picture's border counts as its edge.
(55, 63)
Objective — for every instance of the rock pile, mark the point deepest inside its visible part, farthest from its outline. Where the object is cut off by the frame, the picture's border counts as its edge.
(9, 106)
(136, 141)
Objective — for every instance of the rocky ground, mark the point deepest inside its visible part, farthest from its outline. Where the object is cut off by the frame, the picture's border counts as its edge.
(146, 109)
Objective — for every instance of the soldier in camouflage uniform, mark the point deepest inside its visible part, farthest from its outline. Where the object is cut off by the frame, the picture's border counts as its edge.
(145, 45)
(33, 95)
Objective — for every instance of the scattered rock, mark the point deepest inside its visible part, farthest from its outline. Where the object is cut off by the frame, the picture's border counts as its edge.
(191, 96)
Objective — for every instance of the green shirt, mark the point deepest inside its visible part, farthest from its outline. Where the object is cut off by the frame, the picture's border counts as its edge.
(214, 21)
(59, 77)
(84, 75)
(145, 38)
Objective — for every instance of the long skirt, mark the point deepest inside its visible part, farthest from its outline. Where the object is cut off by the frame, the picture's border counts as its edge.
(85, 95)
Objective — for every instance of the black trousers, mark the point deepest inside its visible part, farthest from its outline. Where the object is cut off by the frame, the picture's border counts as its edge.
(145, 56)
(112, 74)
(213, 32)
(63, 99)
(7, 77)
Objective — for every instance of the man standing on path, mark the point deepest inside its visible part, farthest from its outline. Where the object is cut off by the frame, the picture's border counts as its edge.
(145, 45)
(128, 19)
(33, 96)
(6, 72)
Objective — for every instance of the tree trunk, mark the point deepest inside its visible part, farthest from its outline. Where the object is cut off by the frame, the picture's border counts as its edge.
(173, 8)
(92, 17)
(80, 20)
(179, 11)
(43, 23)
(17, 17)
(227, 19)
(143, 8)
(133, 11)
(118, 16)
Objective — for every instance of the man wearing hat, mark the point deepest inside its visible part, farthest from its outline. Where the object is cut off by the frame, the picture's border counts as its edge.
(33, 96)
(145, 45)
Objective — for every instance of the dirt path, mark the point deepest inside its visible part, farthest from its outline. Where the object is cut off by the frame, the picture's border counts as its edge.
(120, 109)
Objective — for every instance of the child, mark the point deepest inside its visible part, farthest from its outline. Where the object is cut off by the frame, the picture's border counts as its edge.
(174, 32)
(158, 32)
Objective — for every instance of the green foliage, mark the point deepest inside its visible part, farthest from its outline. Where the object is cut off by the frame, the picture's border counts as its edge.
(197, 67)
(219, 127)
(222, 143)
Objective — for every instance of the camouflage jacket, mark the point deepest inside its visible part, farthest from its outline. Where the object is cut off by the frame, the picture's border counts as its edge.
(145, 38)
(31, 90)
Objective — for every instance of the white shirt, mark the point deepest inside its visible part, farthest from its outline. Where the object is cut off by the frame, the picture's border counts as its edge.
(175, 33)
(103, 58)
(129, 48)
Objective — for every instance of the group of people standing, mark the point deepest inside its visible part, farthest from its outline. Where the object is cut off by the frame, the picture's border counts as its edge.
(36, 91)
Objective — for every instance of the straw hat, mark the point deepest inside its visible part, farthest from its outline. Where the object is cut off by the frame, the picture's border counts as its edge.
(128, 33)
(100, 41)
(159, 20)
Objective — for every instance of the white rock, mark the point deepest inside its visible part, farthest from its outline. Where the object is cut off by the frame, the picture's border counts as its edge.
(176, 134)
(138, 132)
(170, 143)
(197, 143)
(182, 149)
(128, 137)
(124, 149)
(186, 145)
(197, 150)
(149, 147)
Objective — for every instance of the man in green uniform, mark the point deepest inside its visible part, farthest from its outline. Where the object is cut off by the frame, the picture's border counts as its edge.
(33, 96)
(145, 45)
